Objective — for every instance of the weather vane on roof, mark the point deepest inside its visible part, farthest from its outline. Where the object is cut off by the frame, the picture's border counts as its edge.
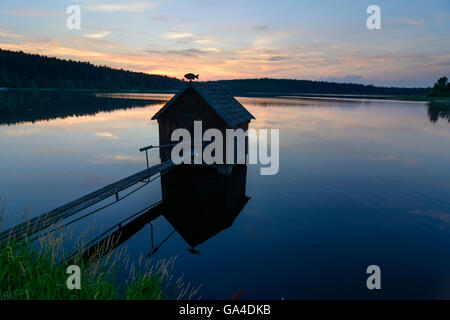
(191, 76)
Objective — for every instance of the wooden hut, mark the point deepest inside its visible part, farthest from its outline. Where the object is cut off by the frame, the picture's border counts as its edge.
(207, 102)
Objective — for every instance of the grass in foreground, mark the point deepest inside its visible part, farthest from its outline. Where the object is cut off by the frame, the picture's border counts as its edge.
(29, 273)
(37, 270)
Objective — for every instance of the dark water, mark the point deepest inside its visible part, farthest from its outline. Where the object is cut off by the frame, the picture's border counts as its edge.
(361, 182)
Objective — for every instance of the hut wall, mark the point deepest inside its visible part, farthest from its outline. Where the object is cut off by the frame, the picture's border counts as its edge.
(189, 107)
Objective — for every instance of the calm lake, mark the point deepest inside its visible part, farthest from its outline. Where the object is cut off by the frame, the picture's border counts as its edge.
(361, 182)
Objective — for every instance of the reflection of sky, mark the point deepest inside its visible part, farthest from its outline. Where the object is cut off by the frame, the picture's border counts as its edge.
(240, 39)
(377, 131)
(359, 183)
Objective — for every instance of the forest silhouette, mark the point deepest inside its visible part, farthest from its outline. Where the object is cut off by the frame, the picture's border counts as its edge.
(22, 70)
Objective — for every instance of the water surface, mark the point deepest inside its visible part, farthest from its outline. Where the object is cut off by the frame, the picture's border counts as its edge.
(361, 182)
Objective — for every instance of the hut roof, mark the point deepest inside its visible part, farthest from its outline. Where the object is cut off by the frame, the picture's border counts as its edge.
(223, 103)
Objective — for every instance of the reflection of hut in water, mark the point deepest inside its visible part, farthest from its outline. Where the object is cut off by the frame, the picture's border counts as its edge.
(200, 203)
(197, 201)
(210, 103)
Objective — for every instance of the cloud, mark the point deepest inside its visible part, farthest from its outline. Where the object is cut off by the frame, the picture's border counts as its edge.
(410, 21)
(107, 135)
(384, 158)
(55, 150)
(105, 158)
(184, 52)
(178, 35)
(392, 158)
(159, 18)
(96, 35)
(53, 48)
(204, 41)
(18, 133)
(264, 41)
(9, 34)
(259, 28)
(212, 49)
(184, 37)
(35, 13)
(128, 7)
(215, 56)
(277, 58)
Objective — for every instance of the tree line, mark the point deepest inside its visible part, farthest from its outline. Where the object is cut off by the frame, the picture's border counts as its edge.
(23, 70)
(441, 88)
(289, 86)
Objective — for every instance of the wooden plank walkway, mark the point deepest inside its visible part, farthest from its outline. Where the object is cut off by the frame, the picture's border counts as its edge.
(49, 218)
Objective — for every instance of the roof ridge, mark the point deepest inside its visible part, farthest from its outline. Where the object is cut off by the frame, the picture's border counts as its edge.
(220, 100)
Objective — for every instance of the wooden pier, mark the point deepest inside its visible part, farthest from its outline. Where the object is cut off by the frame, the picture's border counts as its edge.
(54, 216)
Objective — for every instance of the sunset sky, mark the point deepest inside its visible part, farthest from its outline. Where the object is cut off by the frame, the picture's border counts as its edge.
(309, 39)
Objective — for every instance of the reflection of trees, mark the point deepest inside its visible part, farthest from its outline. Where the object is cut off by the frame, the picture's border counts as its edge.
(438, 111)
(30, 106)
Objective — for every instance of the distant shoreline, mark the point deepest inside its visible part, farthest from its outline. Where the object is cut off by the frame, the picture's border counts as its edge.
(415, 98)
(341, 96)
